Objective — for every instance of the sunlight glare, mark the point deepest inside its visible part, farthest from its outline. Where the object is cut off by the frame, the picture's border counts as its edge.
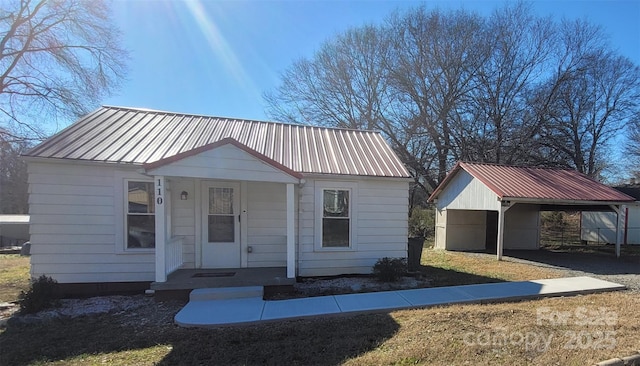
(221, 48)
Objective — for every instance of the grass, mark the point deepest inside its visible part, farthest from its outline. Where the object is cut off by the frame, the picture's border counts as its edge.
(454, 268)
(461, 334)
(14, 276)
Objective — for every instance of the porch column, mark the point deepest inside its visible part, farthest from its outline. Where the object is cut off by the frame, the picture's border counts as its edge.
(291, 242)
(161, 230)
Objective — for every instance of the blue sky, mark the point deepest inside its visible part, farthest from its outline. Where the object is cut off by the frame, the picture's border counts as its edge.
(219, 57)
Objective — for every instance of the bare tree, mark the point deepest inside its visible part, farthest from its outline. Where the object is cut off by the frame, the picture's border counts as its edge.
(520, 47)
(592, 98)
(444, 86)
(632, 148)
(436, 56)
(13, 177)
(58, 58)
(344, 85)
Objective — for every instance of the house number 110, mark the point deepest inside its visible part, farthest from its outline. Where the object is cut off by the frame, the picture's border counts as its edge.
(159, 199)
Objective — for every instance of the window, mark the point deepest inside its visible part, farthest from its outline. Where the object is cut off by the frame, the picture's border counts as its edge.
(141, 221)
(221, 218)
(336, 219)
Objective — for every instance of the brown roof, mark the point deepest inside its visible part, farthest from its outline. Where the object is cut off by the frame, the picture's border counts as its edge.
(141, 136)
(512, 182)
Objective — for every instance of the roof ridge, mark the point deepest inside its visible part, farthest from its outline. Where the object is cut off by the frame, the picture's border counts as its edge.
(149, 110)
(516, 166)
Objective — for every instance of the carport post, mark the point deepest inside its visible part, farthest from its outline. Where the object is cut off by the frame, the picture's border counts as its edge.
(504, 206)
(618, 210)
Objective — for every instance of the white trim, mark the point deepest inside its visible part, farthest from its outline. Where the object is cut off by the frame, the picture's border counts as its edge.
(291, 240)
(121, 182)
(244, 256)
(160, 197)
(204, 197)
(353, 178)
(112, 164)
(352, 187)
(197, 206)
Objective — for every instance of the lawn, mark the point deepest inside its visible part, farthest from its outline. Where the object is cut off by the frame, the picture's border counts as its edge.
(14, 276)
(595, 327)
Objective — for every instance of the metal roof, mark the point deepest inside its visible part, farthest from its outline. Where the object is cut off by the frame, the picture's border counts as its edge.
(551, 184)
(633, 191)
(142, 136)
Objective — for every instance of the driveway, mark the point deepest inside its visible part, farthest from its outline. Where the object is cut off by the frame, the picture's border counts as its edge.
(605, 266)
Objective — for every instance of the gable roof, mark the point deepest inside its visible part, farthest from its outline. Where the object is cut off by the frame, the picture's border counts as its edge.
(529, 183)
(142, 136)
(215, 145)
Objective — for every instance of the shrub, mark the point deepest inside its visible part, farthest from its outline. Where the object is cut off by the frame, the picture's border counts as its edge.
(422, 222)
(390, 269)
(42, 294)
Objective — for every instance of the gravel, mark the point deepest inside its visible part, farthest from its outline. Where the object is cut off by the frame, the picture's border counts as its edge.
(624, 270)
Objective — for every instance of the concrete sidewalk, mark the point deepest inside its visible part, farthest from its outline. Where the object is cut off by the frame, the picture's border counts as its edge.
(208, 308)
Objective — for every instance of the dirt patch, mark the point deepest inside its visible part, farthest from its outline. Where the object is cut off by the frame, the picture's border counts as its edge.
(344, 285)
(138, 310)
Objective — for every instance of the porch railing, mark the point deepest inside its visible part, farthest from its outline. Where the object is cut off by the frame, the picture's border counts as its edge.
(173, 257)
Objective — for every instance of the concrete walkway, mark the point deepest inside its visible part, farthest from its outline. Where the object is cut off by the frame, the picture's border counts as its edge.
(212, 308)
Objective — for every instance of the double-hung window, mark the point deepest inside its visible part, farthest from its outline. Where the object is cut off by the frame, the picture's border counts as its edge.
(336, 222)
(335, 216)
(141, 222)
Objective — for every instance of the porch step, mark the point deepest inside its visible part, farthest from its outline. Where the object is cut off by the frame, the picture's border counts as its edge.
(225, 293)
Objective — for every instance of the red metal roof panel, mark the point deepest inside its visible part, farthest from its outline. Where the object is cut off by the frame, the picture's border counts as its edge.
(141, 136)
(513, 182)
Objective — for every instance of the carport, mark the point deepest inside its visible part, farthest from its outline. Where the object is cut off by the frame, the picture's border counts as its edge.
(495, 207)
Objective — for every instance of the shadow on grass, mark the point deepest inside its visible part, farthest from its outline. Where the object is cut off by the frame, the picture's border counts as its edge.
(595, 259)
(440, 277)
(320, 341)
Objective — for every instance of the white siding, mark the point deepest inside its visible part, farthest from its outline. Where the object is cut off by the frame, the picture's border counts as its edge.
(633, 224)
(183, 218)
(601, 226)
(381, 222)
(74, 225)
(522, 227)
(464, 192)
(266, 224)
(225, 162)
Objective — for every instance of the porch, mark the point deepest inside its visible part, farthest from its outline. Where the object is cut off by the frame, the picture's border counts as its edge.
(230, 208)
(189, 279)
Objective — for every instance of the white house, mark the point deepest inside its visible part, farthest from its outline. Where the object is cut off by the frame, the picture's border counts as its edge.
(130, 195)
(494, 207)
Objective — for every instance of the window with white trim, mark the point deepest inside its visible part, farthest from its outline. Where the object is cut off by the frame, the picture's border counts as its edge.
(140, 222)
(335, 216)
(336, 221)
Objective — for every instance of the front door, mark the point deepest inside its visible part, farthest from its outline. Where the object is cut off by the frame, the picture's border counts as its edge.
(221, 225)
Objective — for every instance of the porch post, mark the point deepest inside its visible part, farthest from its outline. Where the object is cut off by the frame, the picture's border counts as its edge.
(291, 243)
(161, 221)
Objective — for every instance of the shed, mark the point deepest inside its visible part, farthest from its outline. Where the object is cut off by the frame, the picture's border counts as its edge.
(600, 227)
(492, 207)
(132, 195)
(14, 230)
